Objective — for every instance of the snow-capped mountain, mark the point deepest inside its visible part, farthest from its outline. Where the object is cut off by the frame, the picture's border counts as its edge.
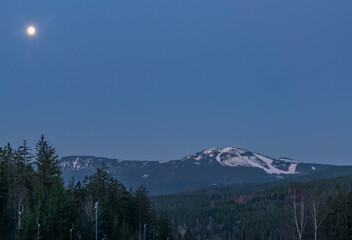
(215, 166)
(236, 157)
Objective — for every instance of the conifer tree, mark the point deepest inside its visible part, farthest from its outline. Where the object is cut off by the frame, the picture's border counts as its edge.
(165, 225)
(7, 176)
(50, 191)
(189, 235)
(142, 208)
(22, 188)
(48, 169)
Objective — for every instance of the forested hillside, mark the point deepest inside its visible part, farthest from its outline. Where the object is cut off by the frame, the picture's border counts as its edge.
(255, 212)
(34, 202)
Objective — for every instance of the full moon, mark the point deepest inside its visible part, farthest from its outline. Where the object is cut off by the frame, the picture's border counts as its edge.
(31, 30)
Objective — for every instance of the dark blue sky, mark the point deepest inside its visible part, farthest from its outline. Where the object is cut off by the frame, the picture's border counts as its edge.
(163, 79)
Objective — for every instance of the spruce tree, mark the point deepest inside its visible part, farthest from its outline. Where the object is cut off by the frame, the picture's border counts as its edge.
(49, 192)
(142, 209)
(189, 235)
(48, 169)
(22, 188)
(7, 176)
(165, 225)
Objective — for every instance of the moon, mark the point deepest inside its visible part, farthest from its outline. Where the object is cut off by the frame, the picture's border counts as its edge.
(31, 30)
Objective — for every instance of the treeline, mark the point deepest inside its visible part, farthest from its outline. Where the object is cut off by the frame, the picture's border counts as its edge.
(313, 210)
(35, 202)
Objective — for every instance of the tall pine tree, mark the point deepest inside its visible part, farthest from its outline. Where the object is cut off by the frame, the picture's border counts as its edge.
(50, 192)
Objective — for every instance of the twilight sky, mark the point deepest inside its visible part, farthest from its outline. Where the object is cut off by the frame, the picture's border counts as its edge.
(162, 79)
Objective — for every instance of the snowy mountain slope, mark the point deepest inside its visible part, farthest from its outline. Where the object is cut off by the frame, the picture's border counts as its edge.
(236, 157)
(215, 166)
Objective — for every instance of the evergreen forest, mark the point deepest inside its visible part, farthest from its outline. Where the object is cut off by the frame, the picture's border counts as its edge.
(320, 209)
(35, 203)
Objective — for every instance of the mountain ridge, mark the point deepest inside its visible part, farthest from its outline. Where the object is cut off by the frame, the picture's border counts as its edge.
(210, 167)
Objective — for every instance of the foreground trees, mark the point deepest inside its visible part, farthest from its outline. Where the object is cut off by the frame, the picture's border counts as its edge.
(32, 190)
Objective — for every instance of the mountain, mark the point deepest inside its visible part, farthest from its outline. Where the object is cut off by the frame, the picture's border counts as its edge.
(215, 166)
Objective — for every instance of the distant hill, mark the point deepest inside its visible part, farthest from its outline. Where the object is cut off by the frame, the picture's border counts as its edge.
(211, 167)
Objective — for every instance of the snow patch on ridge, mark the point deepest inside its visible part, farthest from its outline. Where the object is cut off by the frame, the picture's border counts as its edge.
(292, 168)
(288, 160)
(209, 151)
(75, 163)
(271, 169)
